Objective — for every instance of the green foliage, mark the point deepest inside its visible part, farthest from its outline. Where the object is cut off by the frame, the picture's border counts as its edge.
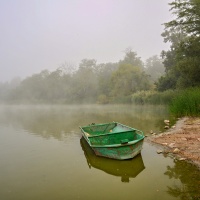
(141, 97)
(102, 99)
(188, 15)
(104, 74)
(182, 61)
(128, 79)
(44, 87)
(154, 67)
(188, 63)
(84, 82)
(132, 59)
(186, 103)
(153, 97)
(167, 82)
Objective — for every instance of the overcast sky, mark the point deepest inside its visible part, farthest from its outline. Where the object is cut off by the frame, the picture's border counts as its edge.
(43, 34)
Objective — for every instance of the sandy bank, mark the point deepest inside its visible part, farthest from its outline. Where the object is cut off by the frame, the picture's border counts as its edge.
(183, 140)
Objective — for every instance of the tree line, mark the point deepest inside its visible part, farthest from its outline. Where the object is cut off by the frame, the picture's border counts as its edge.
(90, 83)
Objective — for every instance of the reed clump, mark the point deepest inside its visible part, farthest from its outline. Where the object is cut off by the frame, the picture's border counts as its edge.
(186, 103)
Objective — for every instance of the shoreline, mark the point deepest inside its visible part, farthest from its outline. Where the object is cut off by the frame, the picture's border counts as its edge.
(182, 140)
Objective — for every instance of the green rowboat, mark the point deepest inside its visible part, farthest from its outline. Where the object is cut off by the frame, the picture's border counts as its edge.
(113, 140)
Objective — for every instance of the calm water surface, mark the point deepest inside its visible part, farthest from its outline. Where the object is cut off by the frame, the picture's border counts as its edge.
(42, 156)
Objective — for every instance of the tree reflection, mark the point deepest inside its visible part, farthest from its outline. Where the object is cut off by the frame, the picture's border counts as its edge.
(59, 121)
(189, 175)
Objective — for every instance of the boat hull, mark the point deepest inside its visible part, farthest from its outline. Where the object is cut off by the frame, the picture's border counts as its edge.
(122, 152)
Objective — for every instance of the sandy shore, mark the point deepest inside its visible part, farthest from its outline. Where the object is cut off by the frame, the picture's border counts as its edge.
(183, 140)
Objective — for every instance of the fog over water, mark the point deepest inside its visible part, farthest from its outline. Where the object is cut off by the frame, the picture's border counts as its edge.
(37, 35)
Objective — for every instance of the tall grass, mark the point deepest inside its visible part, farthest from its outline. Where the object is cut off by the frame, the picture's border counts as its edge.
(153, 97)
(186, 103)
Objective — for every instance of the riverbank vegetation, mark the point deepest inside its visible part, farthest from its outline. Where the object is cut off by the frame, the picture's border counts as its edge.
(153, 97)
(168, 79)
(186, 103)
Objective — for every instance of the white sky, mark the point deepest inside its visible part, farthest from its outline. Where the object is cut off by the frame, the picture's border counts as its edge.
(43, 34)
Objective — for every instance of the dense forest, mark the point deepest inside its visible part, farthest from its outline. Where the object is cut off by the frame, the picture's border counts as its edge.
(124, 81)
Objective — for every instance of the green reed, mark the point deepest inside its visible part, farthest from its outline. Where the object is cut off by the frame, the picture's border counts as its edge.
(186, 103)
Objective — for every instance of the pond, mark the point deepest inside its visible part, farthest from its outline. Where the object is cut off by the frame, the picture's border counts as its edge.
(43, 156)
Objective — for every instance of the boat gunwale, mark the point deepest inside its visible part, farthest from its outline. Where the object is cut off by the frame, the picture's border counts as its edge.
(102, 124)
(131, 129)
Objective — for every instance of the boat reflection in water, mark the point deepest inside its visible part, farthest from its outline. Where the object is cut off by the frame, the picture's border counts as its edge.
(125, 169)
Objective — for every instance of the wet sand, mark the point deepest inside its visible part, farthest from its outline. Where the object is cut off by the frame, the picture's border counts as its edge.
(183, 140)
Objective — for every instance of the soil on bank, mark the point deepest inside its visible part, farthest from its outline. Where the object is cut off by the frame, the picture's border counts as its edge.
(183, 140)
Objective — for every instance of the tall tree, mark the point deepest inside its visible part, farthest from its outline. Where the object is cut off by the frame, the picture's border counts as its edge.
(128, 79)
(132, 59)
(104, 75)
(85, 81)
(187, 16)
(182, 62)
(154, 67)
